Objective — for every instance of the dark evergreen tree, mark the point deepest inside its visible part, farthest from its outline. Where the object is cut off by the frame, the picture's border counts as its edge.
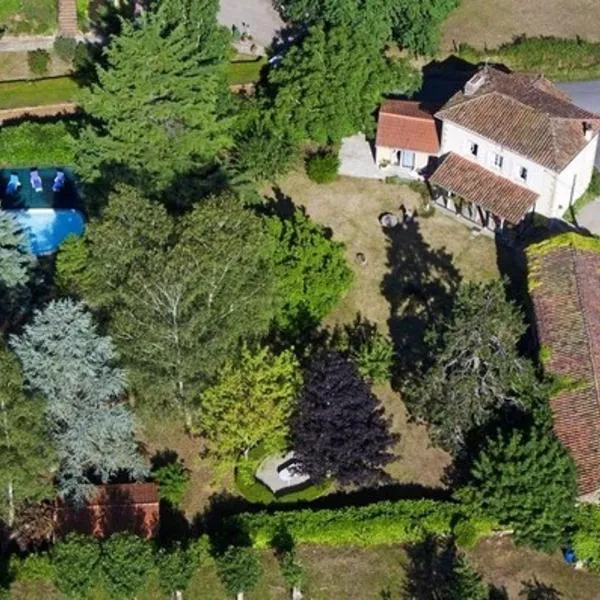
(339, 429)
(527, 481)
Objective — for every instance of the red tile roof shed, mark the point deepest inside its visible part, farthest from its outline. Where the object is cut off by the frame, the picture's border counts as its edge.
(131, 507)
(564, 281)
(409, 125)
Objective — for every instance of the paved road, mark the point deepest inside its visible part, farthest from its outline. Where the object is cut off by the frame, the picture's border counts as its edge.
(585, 94)
(263, 19)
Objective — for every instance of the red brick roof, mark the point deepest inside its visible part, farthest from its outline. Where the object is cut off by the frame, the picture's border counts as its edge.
(476, 184)
(524, 113)
(404, 124)
(564, 281)
(132, 507)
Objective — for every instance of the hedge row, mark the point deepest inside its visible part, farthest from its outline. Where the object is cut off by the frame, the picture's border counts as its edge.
(406, 521)
(561, 59)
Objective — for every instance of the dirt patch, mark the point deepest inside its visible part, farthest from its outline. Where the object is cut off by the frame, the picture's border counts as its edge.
(14, 67)
(508, 567)
(205, 480)
(489, 23)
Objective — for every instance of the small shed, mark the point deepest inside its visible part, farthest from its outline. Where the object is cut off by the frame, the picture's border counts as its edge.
(113, 508)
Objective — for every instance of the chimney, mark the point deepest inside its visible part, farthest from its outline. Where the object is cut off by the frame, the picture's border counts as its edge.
(588, 132)
(475, 82)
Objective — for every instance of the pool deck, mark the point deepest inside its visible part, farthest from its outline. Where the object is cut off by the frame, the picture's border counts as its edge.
(26, 197)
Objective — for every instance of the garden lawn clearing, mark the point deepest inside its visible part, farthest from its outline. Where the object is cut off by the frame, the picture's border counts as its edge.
(14, 66)
(244, 70)
(16, 94)
(489, 23)
(350, 208)
(507, 566)
(28, 16)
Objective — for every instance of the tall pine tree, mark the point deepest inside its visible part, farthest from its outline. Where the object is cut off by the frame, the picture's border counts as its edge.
(157, 109)
(15, 257)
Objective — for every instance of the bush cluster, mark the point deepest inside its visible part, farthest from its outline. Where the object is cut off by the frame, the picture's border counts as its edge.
(406, 521)
(32, 143)
(322, 167)
(65, 48)
(39, 61)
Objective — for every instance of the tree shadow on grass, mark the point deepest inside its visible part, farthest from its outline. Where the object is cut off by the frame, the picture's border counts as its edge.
(536, 590)
(420, 287)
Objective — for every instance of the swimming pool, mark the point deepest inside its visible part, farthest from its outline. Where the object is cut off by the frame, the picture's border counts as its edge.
(46, 216)
(47, 228)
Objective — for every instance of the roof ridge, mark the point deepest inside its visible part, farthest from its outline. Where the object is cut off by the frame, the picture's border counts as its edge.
(555, 150)
(588, 333)
(425, 118)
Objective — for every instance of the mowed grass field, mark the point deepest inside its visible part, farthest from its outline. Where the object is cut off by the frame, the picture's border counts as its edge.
(489, 23)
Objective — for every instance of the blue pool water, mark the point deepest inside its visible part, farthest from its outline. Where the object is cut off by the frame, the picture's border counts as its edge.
(47, 228)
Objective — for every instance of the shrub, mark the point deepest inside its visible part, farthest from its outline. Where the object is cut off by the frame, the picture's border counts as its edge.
(586, 535)
(76, 560)
(239, 570)
(322, 167)
(39, 61)
(65, 48)
(172, 477)
(31, 143)
(35, 567)
(406, 521)
(126, 562)
(372, 352)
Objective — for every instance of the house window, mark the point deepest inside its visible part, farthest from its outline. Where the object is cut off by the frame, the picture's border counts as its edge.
(474, 148)
(498, 161)
(523, 174)
(408, 159)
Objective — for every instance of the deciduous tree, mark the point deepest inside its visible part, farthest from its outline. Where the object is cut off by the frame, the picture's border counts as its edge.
(339, 429)
(251, 402)
(527, 481)
(25, 447)
(321, 61)
(73, 368)
(310, 269)
(239, 570)
(477, 367)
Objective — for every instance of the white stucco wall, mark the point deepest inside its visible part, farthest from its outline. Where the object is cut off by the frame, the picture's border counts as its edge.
(556, 191)
(539, 179)
(575, 178)
(382, 154)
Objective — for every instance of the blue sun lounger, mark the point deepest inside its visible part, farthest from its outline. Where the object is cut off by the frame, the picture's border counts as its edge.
(13, 184)
(36, 180)
(59, 181)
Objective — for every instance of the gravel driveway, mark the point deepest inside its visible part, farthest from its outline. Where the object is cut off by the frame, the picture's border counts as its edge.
(263, 19)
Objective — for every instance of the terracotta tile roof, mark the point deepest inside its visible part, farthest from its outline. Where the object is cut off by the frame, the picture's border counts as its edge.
(564, 281)
(524, 113)
(476, 184)
(407, 124)
(132, 507)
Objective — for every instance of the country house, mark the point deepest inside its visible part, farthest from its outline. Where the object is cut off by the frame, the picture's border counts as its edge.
(506, 146)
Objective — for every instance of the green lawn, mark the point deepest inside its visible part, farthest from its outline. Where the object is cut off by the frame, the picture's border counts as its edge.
(245, 71)
(28, 16)
(14, 94)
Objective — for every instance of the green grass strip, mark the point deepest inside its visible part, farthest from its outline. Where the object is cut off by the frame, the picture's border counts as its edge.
(16, 94)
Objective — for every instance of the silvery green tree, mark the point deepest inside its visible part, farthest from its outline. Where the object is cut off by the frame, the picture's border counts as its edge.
(68, 363)
(15, 257)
